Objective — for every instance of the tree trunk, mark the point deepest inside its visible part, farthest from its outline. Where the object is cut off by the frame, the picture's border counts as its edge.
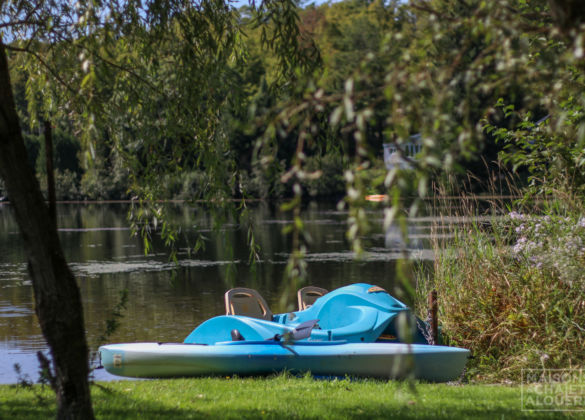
(57, 298)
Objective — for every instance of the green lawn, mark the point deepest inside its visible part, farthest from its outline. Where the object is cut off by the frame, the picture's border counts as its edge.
(280, 397)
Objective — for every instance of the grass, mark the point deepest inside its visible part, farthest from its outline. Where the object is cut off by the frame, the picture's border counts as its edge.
(279, 397)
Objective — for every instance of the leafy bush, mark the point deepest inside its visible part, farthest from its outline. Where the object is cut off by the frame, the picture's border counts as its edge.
(550, 148)
(264, 182)
(331, 181)
(67, 185)
(105, 183)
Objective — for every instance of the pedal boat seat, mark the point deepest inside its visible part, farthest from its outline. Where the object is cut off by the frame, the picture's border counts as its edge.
(308, 295)
(247, 302)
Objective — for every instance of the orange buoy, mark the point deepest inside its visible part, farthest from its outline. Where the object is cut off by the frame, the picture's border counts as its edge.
(376, 197)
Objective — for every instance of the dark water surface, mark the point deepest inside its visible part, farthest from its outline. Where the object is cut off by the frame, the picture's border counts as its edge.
(167, 300)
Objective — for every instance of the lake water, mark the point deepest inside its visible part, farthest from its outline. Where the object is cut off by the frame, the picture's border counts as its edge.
(167, 300)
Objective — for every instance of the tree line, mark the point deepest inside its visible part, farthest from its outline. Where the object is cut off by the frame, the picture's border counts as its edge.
(345, 34)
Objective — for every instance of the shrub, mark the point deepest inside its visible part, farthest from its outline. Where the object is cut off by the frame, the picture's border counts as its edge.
(67, 185)
(105, 183)
(331, 181)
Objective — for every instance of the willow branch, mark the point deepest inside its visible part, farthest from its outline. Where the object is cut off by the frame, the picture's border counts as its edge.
(20, 22)
(45, 64)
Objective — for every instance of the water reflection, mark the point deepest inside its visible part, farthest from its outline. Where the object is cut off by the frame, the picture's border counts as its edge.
(167, 300)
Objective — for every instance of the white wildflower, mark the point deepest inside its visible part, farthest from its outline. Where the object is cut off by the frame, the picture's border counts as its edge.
(516, 216)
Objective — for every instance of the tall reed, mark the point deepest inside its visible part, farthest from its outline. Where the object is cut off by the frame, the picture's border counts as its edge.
(512, 290)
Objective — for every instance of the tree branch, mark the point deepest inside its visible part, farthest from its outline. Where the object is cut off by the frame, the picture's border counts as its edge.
(111, 63)
(21, 22)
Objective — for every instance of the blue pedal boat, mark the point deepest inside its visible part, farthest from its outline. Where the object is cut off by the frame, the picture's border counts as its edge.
(351, 331)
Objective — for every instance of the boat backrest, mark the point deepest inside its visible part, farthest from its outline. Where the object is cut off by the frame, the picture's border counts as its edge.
(308, 295)
(247, 302)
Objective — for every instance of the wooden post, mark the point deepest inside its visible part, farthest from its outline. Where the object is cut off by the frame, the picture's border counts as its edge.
(434, 322)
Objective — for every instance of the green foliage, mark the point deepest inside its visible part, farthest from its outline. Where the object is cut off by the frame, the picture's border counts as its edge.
(513, 293)
(436, 68)
(349, 31)
(67, 186)
(433, 67)
(106, 176)
(389, 70)
(330, 181)
(552, 152)
(144, 87)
